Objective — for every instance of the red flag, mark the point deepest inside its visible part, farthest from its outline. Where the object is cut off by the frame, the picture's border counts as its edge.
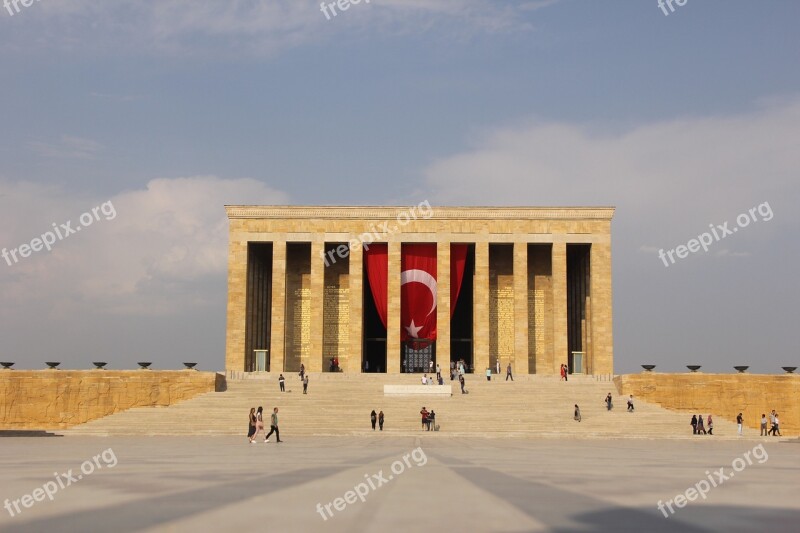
(418, 292)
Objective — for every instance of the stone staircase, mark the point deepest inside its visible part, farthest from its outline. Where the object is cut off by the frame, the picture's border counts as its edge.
(339, 404)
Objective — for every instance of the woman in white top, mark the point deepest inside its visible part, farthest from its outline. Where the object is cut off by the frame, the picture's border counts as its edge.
(259, 423)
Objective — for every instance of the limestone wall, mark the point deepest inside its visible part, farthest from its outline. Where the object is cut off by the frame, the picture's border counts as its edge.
(57, 399)
(722, 395)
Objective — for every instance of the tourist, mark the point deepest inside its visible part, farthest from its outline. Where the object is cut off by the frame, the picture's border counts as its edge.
(739, 423)
(424, 414)
(432, 420)
(424, 379)
(776, 430)
(430, 366)
(508, 372)
(373, 417)
(461, 382)
(251, 428)
(630, 404)
(259, 423)
(763, 425)
(452, 370)
(273, 426)
(488, 374)
(694, 424)
(281, 381)
(497, 367)
(305, 384)
(441, 380)
(380, 420)
(772, 423)
(336, 363)
(609, 404)
(438, 372)
(577, 413)
(302, 371)
(710, 425)
(700, 425)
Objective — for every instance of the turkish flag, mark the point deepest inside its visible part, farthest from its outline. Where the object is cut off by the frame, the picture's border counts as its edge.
(418, 292)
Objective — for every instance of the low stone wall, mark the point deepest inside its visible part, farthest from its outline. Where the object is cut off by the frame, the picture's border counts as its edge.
(722, 395)
(58, 399)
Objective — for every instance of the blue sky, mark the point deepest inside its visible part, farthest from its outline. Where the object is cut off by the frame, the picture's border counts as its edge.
(172, 108)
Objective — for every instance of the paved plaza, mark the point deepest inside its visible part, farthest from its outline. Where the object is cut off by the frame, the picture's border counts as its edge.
(430, 481)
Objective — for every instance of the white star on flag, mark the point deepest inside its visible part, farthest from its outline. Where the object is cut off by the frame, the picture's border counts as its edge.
(413, 330)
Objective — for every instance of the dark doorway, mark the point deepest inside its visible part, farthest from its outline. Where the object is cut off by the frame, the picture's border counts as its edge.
(258, 306)
(374, 349)
(577, 296)
(461, 322)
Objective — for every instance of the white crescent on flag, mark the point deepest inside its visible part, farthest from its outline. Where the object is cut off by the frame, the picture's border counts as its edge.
(420, 276)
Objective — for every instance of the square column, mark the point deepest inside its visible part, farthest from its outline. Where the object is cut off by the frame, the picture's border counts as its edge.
(443, 305)
(277, 346)
(480, 314)
(520, 364)
(317, 289)
(352, 363)
(237, 305)
(560, 344)
(601, 358)
(393, 311)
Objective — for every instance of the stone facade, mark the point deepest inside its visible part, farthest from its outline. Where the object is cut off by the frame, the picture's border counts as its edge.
(58, 399)
(722, 395)
(519, 282)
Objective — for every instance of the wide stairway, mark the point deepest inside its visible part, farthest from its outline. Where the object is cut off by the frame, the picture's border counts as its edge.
(340, 404)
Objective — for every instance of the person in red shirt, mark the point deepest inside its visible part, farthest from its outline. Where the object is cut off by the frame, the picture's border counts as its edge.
(424, 414)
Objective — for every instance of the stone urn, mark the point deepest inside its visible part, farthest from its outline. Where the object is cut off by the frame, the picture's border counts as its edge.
(789, 369)
(99, 365)
(145, 365)
(694, 368)
(190, 366)
(648, 368)
(6, 365)
(741, 369)
(52, 365)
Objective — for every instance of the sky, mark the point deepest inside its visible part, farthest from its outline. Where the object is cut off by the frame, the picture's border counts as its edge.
(158, 113)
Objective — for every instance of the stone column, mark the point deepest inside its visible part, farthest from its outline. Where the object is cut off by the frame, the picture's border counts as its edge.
(560, 344)
(480, 315)
(317, 296)
(393, 311)
(355, 277)
(443, 305)
(277, 348)
(237, 305)
(520, 364)
(601, 360)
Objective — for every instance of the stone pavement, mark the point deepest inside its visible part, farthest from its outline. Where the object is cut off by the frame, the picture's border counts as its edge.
(463, 484)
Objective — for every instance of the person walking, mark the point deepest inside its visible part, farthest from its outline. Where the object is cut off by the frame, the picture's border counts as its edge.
(281, 382)
(739, 424)
(763, 425)
(273, 426)
(508, 372)
(424, 414)
(694, 424)
(577, 413)
(438, 372)
(777, 428)
(609, 402)
(259, 424)
(251, 426)
(488, 373)
(772, 423)
(373, 417)
(380, 420)
(710, 425)
(302, 371)
(461, 382)
(305, 384)
(630, 404)
(700, 425)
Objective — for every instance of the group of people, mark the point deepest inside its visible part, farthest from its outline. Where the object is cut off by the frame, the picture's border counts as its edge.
(564, 372)
(334, 367)
(428, 419)
(508, 372)
(775, 430)
(256, 425)
(376, 418)
(699, 426)
(303, 380)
